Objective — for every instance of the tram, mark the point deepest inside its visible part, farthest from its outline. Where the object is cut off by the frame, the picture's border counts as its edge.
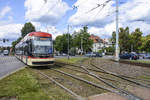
(36, 49)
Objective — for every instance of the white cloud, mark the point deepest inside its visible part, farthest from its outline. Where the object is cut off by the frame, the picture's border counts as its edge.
(52, 30)
(49, 11)
(47, 28)
(55, 32)
(135, 10)
(132, 13)
(144, 27)
(10, 31)
(97, 17)
(77, 29)
(4, 11)
(5, 22)
(97, 31)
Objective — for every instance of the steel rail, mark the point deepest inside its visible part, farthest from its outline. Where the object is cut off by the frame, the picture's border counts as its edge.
(63, 87)
(104, 71)
(83, 71)
(122, 77)
(87, 73)
(121, 93)
(129, 94)
(109, 84)
(91, 70)
(102, 79)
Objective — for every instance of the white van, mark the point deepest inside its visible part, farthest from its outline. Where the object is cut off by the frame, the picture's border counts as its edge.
(5, 52)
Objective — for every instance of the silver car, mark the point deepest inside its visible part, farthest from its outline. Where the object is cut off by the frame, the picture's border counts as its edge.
(146, 56)
(91, 54)
(6, 52)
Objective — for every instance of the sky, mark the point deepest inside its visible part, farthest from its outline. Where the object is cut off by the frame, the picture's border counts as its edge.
(54, 16)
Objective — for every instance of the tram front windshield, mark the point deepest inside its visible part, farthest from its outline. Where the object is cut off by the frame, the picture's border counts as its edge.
(42, 45)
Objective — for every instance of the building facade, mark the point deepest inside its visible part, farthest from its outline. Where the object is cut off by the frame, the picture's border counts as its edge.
(99, 44)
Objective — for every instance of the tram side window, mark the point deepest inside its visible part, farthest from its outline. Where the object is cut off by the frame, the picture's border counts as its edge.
(30, 48)
(25, 51)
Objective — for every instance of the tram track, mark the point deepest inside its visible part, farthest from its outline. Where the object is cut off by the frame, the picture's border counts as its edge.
(133, 81)
(62, 81)
(91, 72)
(127, 78)
(113, 88)
(62, 86)
(123, 77)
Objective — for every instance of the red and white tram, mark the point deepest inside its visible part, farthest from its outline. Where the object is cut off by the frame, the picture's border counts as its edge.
(36, 49)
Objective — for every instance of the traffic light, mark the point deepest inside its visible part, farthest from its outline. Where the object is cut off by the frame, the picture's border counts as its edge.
(4, 40)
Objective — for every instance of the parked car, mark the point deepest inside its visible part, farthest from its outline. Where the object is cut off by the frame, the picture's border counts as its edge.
(146, 56)
(72, 54)
(64, 54)
(99, 55)
(134, 56)
(90, 54)
(129, 56)
(141, 55)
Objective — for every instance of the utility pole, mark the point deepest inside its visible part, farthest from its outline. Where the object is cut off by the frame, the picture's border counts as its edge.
(117, 33)
(81, 45)
(68, 42)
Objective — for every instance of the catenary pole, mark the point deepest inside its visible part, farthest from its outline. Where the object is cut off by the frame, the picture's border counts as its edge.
(68, 42)
(117, 33)
(81, 45)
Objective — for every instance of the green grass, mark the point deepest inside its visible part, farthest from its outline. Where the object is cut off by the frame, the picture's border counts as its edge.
(144, 77)
(22, 86)
(140, 61)
(54, 91)
(71, 60)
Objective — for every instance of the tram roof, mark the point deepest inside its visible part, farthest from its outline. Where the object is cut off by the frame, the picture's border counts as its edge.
(41, 34)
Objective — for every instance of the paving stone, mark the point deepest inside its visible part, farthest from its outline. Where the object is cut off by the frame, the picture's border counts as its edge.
(144, 93)
(107, 96)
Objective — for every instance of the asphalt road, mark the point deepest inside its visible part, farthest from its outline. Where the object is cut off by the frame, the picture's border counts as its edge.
(9, 64)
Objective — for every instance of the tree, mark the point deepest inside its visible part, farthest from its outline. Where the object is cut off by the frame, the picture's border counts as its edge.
(113, 38)
(124, 39)
(136, 40)
(146, 43)
(28, 27)
(61, 43)
(81, 40)
(14, 43)
(109, 50)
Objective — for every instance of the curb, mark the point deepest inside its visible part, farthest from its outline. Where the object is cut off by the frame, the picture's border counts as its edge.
(133, 63)
(12, 73)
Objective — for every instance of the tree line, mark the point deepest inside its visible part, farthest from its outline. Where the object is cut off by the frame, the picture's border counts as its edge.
(78, 41)
(132, 42)
(27, 28)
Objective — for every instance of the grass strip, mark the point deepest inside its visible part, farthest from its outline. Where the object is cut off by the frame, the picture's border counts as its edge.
(141, 61)
(22, 86)
(71, 60)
